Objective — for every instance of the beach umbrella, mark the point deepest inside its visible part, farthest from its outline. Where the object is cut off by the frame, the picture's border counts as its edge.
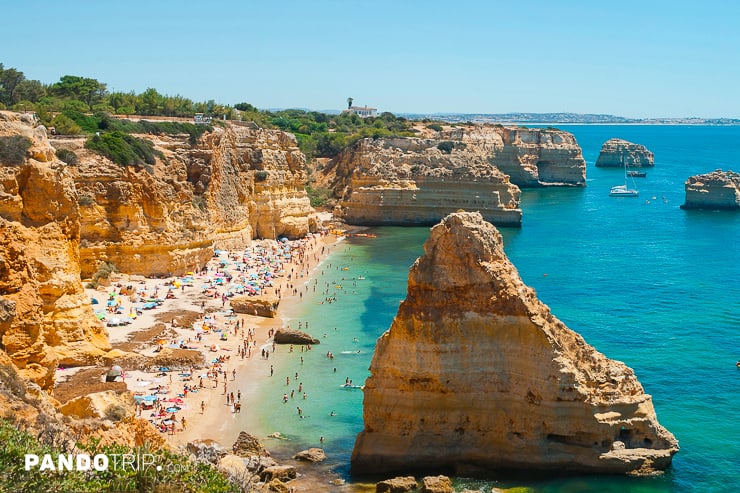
(151, 398)
(173, 409)
(94, 301)
(111, 303)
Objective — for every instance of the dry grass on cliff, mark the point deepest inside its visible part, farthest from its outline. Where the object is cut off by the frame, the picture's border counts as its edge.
(85, 382)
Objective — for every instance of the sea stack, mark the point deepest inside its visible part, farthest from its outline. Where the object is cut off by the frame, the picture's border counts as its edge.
(476, 375)
(618, 153)
(717, 190)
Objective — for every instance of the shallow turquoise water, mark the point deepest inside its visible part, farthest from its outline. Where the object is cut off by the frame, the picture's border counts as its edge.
(645, 283)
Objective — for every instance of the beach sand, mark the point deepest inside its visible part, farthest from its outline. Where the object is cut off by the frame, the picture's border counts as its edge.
(187, 306)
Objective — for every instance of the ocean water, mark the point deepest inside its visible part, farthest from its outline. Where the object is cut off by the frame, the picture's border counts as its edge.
(642, 280)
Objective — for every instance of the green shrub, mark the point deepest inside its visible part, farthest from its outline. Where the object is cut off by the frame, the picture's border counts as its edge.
(85, 200)
(446, 146)
(260, 176)
(160, 128)
(13, 149)
(319, 196)
(105, 269)
(67, 156)
(200, 202)
(123, 149)
(435, 126)
(115, 412)
(64, 125)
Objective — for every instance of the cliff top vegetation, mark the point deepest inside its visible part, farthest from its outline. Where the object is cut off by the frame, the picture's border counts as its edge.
(81, 105)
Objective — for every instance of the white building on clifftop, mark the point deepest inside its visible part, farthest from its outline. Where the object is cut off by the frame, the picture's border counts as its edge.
(361, 111)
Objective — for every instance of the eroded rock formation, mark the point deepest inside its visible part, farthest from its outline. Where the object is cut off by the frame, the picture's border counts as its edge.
(618, 153)
(413, 181)
(475, 372)
(45, 317)
(236, 183)
(477, 167)
(716, 190)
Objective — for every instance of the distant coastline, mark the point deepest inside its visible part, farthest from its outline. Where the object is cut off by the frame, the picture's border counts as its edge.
(565, 119)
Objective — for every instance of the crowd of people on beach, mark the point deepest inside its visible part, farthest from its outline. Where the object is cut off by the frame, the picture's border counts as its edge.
(267, 267)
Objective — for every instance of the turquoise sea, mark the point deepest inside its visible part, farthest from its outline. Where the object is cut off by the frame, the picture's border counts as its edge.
(642, 280)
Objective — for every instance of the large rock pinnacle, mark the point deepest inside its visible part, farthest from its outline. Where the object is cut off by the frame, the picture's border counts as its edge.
(475, 373)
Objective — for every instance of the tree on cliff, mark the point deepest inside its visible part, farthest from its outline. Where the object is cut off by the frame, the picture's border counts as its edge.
(10, 79)
(90, 91)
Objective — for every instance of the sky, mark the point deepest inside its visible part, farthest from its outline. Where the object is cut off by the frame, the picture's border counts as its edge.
(638, 59)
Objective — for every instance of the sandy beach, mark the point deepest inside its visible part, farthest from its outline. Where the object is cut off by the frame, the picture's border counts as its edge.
(196, 314)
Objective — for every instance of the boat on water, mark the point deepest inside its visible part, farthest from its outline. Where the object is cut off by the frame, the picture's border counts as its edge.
(637, 174)
(622, 190)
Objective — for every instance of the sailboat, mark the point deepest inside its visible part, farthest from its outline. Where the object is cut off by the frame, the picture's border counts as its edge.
(622, 190)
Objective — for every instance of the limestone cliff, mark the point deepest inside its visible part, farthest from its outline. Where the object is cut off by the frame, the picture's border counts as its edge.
(476, 373)
(617, 153)
(532, 157)
(716, 190)
(413, 181)
(474, 167)
(236, 183)
(45, 317)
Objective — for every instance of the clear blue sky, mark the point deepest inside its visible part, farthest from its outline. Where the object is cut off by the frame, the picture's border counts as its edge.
(644, 58)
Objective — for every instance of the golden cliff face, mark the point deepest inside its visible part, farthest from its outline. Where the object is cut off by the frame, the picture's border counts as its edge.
(476, 373)
(234, 184)
(45, 317)
(474, 167)
(618, 153)
(718, 190)
(419, 181)
(531, 157)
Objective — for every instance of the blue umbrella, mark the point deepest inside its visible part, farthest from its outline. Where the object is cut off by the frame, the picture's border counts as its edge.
(151, 398)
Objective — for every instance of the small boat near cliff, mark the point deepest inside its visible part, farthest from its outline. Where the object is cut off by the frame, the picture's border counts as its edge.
(637, 174)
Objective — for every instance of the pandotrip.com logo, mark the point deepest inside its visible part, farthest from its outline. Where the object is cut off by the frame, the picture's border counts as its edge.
(99, 462)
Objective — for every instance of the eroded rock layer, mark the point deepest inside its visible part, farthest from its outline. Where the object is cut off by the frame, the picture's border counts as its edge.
(475, 167)
(234, 184)
(413, 181)
(45, 317)
(715, 191)
(618, 153)
(475, 372)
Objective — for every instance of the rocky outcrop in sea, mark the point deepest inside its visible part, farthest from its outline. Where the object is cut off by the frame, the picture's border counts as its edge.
(618, 153)
(477, 375)
(717, 190)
